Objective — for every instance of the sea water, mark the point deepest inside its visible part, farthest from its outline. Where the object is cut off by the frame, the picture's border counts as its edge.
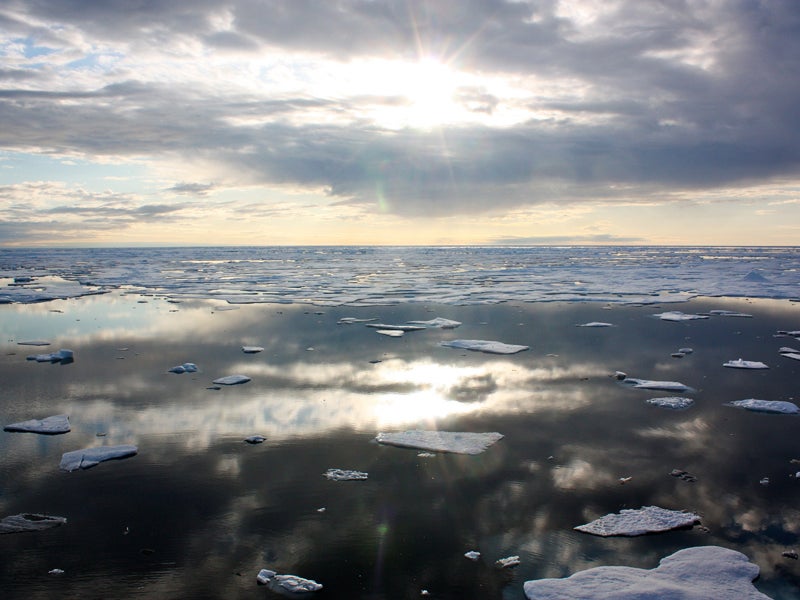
(197, 512)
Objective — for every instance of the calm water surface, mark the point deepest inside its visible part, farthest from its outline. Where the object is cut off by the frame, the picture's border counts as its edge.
(198, 512)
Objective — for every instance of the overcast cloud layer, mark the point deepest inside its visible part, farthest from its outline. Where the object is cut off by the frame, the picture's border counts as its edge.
(403, 108)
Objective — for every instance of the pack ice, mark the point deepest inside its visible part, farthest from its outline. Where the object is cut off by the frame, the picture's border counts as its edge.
(770, 406)
(632, 522)
(441, 441)
(699, 573)
(48, 426)
(90, 457)
(488, 346)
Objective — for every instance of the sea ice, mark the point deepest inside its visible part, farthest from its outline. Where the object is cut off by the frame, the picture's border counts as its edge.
(507, 562)
(390, 332)
(729, 313)
(437, 323)
(89, 457)
(184, 368)
(632, 522)
(673, 402)
(33, 343)
(698, 573)
(487, 346)
(29, 522)
(595, 324)
(252, 349)
(472, 555)
(351, 320)
(62, 356)
(345, 475)
(396, 327)
(255, 439)
(745, 364)
(231, 380)
(287, 583)
(789, 353)
(676, 315)
(770, 406)
(646, 384)
(441, 441)
(49, 425)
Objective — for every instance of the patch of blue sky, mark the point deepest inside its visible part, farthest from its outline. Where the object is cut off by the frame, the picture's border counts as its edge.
(31, 50)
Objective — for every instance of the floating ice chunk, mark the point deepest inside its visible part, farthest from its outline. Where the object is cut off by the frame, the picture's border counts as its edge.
(685, 350)
(697, 573)
(487, 346)
(48, 426)
(745, 364)
(264, 575)
(795, 333)
(755, 276)
(184, 368)
(29, 522)
(63, 356)
(437, 323)
(351, 320)
(255, 439)
(345, 475)
(676, 315)
(441, 441)
(595, 324)
(507, 562)
(789, 353)
(472, 555)
(770, 406)
(673, 402)
(390, 332)
(632, 522)
(252, 349)
(89, 457)
(55, 572)
(33, 343)
(646, 384)
(396, 327)
(232, 380)
(729, 313)
(287, 583)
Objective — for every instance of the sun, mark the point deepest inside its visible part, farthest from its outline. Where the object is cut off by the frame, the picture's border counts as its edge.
(430, 89)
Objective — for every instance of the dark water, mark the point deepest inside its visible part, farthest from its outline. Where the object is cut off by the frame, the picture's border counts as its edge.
(198, 512)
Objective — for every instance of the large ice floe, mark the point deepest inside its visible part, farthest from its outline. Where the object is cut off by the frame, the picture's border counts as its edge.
(768, 406)
(648, 384)
(488, 346)
(632, 522)
(745, 364)
(699, 573)
(291, 584)
(48, 426)
(29, 522)
(90, 457)
(457, 442)
(672, 402)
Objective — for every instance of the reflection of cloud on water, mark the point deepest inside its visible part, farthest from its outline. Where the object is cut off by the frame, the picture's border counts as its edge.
(694, 434)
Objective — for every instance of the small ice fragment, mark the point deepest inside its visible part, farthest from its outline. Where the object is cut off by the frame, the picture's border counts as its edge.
(231, 380)
(790, 554)
(351, 320)
(472, 555)
(184, 368)
(619, 375)
(764, 481)
(745, 364)
(55, 572)
(48, 426)
(624, 480)
(295, 584)
(345, 475)
(390, 332)
(321, 509)
(729, 313)
(787, 350)
(264, 575)
(632, 522)
(396, 327)
(676, 315)
(677, 355)
(29, 522)
(488, 346)
(255, 439)
(673, 402)
(437, 323)
(252, 349)
(685, 350)
(508, 562)
(441, 441)
(770, 406)
(646, 384)
(424, 593)
(696, 573)
(33, 343)
(63, 356)
(595, 324)
(426, 455)
(89, 457)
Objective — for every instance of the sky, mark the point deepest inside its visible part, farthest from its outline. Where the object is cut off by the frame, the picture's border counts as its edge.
(441, 122)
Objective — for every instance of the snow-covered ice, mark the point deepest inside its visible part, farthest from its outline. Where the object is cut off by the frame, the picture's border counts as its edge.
(232, 380)
(29, 522)
(472, 555)
(770, 406)
(345, 475)
(89, 457)
(595, 324)
(292, 584)
(673, 402)
(390, 332)
(487, 346)
(351, 320)
(184, 368)
(437, 323)
(745, 364)
(441, 441)
(647, 384)
(789, 353)
(49, 425)
(698, 573)
(390, 327)
(676, 315)
(252, 349)
(507, 562)
(632, 522)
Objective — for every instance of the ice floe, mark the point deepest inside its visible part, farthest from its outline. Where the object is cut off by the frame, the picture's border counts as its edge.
(769, 406)
(90, 457)
(255, 439)
(729, 313)
(647, 384)
(472, 555)
(63, 356)
(345, 475)
(232, 380)
(33, 343)
(48, 426)
(595, 324)
(507, 562)
(632, 522)
(184, 368)
(437, 323)
(789, 353)
(488, 346)
(673, 402)
(351, 320)
(252, 349)
(292, 584)
(458, 442)
(676, 315)
(698, 573)
(745, 364)
(390, 332)
(29, 522)
(389, 327)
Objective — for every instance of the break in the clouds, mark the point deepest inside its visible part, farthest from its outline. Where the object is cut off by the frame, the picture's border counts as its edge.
(391, 111)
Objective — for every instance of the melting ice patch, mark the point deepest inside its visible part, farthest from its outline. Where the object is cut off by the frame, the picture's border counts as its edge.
(729, 313)
(595, 324)
(673, 402)
(390, 332)
(292, 584)
(90, 457)
(232, 380)
(745, 364)
(488, 346)
(676, 315)
(389, 327)
(632, 522)
(29, 522)
(441, 441)
(769, 406)
(345, 475)
(697, 573)
(789, 353)
(437, 323)
(647, 384)
(63, 356)
(252, 349)
(184, 368)
(48, 426)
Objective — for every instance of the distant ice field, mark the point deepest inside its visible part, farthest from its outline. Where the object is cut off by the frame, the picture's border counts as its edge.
(373, 276)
